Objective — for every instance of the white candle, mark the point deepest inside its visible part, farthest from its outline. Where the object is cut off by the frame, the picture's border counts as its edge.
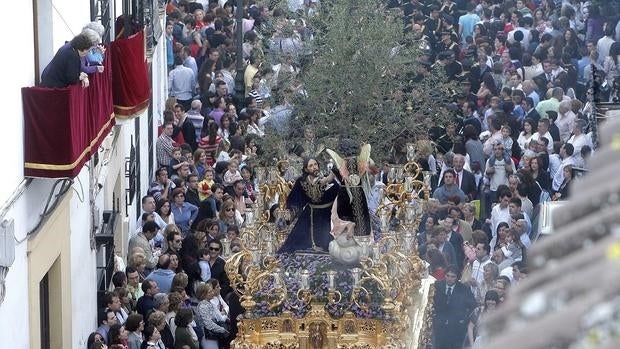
(305, 276)
(331, 277)
(356, 276)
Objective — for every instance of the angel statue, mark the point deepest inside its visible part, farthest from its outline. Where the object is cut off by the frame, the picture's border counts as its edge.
(350, 215)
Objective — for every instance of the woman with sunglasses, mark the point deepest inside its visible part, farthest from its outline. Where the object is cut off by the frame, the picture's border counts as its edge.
(184, 212)
(229, 216)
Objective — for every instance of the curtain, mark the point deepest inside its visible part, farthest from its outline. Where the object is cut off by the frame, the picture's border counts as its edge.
(130, 87)
(63, 127)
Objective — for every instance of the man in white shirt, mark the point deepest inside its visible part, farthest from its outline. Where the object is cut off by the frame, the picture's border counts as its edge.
(498, 172)
(148, 206)
(604, 44)
(543, 131)
(500, 213)
(578, 139)
(495, 127)
(483, 258)
(566, 153)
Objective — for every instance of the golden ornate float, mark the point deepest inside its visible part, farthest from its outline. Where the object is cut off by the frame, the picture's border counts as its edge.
(307, 301)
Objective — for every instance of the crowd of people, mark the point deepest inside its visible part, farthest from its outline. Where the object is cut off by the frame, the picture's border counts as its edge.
(518, 138)
(172, 291)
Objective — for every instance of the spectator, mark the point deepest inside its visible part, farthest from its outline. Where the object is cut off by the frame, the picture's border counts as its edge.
(448, 189)
(165, 145)
(453, 302)
(106, 319)
(158, 320)
(146, 303)
(135, 326)
(210, 317)
(118, 335)
(217, 264)
(184, 212)
(165, 272)
(64, 69)
(181, 83)
(184, 335)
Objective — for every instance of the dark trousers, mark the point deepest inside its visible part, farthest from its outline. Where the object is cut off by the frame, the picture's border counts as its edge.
(187, 104)
(449, 336)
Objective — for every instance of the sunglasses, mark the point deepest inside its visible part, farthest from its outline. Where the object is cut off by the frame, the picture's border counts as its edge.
(230, 209)
(214, 248)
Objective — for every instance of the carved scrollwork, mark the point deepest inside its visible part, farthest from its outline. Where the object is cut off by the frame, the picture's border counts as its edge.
(269, 325)
(367, 326)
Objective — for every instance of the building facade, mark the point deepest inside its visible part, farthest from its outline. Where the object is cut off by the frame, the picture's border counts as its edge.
(58, 236)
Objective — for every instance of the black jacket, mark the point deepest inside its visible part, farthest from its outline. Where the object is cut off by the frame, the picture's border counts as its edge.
(63, 70)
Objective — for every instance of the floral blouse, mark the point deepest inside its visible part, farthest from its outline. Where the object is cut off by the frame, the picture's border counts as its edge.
(209, 316)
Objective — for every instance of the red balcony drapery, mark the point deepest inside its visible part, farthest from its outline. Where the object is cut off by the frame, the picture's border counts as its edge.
(63, 127)
(131, 86)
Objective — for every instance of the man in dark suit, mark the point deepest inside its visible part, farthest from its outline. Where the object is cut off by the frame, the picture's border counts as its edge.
(464, 179)
(454, 302)
(530, 111)
(544, 80)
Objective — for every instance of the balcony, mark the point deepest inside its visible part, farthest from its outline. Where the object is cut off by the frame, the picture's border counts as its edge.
(63, 127)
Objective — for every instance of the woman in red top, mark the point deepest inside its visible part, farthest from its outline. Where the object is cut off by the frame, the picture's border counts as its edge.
(199, 16)
(211, 143)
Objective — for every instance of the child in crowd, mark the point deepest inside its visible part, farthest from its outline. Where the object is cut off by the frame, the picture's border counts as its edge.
(246, 174)
(204, 187)
(189, 160)
(177, 160)
(232, 174)
(223, 151)
(507, 142)
(203, 263)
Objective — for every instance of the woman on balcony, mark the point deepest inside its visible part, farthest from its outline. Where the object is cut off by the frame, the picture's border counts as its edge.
(184, 213)
(65, 67)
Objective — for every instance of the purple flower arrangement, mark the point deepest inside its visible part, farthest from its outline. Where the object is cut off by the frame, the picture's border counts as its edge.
(317, 265)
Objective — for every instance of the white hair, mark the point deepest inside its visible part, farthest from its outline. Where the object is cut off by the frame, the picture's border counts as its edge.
(92, 35)
(96, 26)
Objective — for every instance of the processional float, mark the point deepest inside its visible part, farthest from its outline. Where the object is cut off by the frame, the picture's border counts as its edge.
(311, 302)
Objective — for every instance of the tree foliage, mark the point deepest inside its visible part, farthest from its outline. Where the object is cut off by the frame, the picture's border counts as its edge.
(362, 80)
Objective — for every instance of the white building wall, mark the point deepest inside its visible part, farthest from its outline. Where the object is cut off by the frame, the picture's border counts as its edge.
(14, 310)
(18, 71)
(83, 265)
(14, 321)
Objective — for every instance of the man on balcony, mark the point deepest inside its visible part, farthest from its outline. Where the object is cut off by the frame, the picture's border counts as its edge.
(181, 83)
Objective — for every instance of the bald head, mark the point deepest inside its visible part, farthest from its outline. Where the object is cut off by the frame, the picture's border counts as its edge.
(458, 162)
(196, 105)
(527, 86)
(164, 261)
